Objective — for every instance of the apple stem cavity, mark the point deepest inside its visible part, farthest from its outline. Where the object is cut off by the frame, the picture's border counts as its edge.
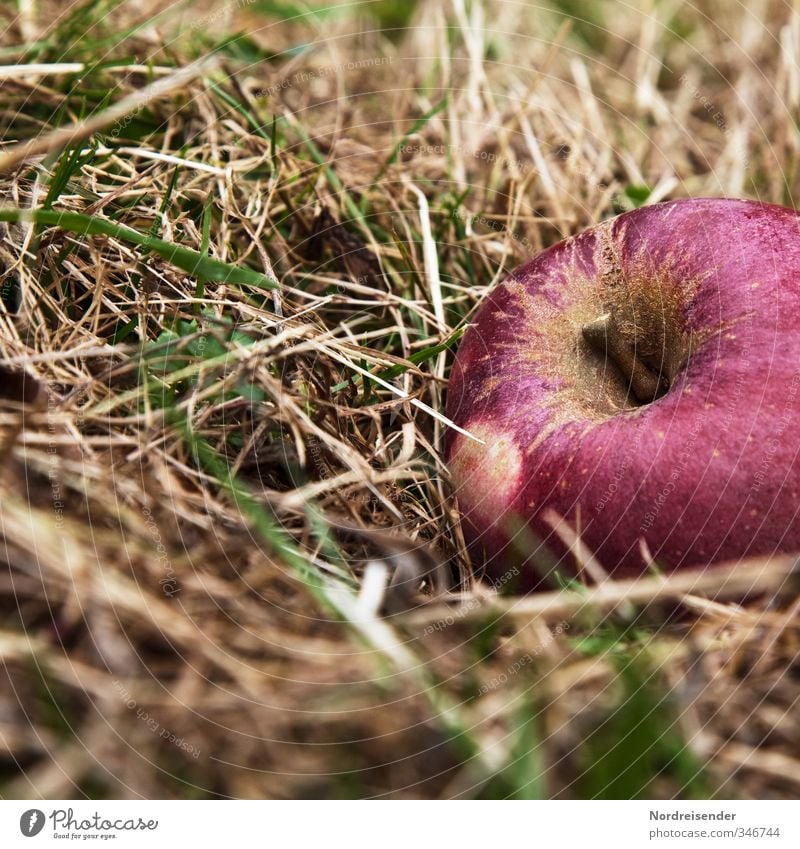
(604, 337)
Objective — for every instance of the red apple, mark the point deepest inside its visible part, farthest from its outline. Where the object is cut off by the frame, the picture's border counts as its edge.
(641, 381)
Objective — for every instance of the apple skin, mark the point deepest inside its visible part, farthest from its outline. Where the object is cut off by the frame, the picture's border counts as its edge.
(704, 292)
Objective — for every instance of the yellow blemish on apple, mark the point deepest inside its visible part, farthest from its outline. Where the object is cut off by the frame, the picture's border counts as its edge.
(486, 476)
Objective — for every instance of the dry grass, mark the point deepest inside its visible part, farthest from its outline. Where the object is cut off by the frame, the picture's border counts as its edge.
(207, 506)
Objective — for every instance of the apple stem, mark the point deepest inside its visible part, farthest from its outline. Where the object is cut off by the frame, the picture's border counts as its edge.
(603, 336)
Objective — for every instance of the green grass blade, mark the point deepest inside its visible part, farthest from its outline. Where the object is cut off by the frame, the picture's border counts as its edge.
(416, 358)
(70, 163)
(316, 154)
(193, 262)
(255, 125)
(415, 128)
(257, 515)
